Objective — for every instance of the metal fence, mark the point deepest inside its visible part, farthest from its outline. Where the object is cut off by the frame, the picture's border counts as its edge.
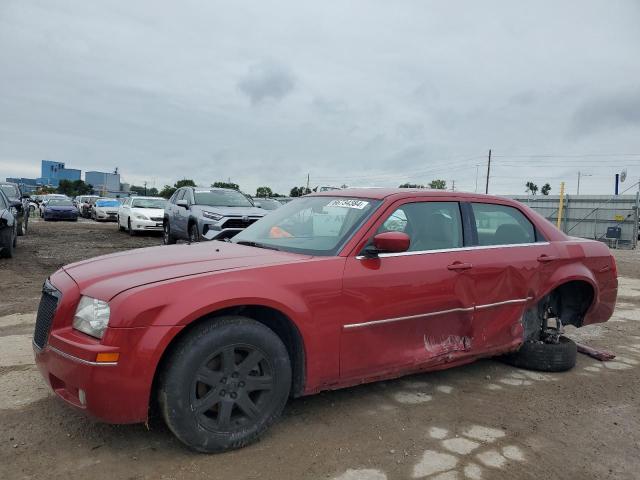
(589, 216)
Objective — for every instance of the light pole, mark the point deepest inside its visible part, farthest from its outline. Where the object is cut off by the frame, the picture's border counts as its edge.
(580, 174)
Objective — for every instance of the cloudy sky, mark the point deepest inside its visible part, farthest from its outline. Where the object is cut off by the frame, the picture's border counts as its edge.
(370, 93)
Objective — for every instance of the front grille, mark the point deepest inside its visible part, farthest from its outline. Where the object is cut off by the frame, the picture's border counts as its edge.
(46, 312)
(238, 223)
(156, 219)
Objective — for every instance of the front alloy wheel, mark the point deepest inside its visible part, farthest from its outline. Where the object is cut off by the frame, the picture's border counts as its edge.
(225, 383)
(167, 239)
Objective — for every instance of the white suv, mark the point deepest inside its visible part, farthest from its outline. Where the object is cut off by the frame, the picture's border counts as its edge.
(137, 214)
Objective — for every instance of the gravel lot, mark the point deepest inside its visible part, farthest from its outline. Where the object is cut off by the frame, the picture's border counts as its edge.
(485, 420)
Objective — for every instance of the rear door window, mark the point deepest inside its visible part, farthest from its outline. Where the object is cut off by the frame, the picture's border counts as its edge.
(501, 225)
(430, 225)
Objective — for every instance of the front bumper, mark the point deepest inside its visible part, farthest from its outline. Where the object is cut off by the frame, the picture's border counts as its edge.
(146, 225)
(109, 216)
(227, 227)
(114, 392)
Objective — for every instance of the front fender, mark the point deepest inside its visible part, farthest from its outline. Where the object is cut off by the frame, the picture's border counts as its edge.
(180, 302)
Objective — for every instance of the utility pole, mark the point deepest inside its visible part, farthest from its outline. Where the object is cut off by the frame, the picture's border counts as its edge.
(453, 185)
(145, 188)
(560, 205)
(486, 190)
(477, 170)
(580, 174)
(308, 174)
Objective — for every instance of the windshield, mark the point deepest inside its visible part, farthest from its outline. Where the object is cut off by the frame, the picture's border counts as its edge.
(55, 202)
(10, 191)
(148, 203)
(310, 225)
(268, 204)
(221, 198)
(107, 203)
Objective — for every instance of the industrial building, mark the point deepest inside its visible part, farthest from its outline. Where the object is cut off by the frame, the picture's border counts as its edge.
(52, 172)
(103, 183)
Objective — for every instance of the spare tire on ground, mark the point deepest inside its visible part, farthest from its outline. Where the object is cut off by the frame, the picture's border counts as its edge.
(544, 357)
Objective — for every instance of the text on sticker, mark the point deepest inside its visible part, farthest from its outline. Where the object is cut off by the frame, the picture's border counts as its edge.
(348, 203)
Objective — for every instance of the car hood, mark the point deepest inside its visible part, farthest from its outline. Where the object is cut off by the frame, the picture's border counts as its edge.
(149, 212)
(114, 208)
(106, 276)
(235, 211)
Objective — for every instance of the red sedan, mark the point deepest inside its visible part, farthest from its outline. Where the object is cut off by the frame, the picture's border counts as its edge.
(333, 289)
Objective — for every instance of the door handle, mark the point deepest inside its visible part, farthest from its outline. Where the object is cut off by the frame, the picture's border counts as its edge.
(546, 258)
(459, 266)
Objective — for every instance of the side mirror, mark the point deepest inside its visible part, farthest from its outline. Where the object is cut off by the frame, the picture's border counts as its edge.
(257, 204)
(26, 195)
(182, 203)
(16, 204)
(388, 242)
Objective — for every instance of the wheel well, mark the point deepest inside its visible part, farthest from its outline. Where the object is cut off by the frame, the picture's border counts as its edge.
(569, 302)
(270, 317)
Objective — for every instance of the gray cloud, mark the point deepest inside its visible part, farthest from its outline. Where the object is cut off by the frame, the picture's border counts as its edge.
(607, 112)
(266, 80)
(170, 92)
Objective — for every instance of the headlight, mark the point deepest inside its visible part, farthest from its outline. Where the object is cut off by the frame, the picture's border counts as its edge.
(91, 317)
(211, 215)
(139, 216)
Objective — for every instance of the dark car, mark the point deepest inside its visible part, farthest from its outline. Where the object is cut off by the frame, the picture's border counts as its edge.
(8, 226)
(60, 209)
(196, 214)
(14, 194)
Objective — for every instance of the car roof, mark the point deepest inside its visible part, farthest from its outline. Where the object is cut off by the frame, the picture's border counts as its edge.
(149, 198)
(397, 193)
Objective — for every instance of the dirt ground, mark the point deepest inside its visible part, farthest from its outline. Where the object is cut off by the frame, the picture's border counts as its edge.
(482, 421)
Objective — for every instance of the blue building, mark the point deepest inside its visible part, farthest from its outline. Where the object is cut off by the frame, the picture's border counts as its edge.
(52, 172)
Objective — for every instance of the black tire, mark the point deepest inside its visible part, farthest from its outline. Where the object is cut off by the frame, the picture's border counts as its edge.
(194, 233)
(9, 241)
(225, 383)
(23, 225)
(120, 227)
(132, 232)
(167, 238)
(544, 357)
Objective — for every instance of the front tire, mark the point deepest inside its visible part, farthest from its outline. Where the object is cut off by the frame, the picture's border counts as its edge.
(194, 233)
(22, 227)
(167, 238)
(9, 243)
(225, 383)
(132, 232)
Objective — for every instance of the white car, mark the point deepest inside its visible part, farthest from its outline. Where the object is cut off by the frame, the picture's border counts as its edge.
(139, 214)
(105, 209)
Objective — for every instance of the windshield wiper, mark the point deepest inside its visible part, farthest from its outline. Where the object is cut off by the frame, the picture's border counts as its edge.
(256, 244)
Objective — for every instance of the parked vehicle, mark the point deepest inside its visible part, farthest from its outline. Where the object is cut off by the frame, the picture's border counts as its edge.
(105, 210)
(141, 214)
(196, 214)
(85, 204)
(8, 225)
(267, 203)
(60, 209)
(50, 196)
(333, 289)
(21, 202)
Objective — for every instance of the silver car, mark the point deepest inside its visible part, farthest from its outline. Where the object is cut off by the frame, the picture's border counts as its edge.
(197, 214)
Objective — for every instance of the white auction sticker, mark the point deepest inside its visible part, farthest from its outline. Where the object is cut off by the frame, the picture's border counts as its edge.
(348, 203)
